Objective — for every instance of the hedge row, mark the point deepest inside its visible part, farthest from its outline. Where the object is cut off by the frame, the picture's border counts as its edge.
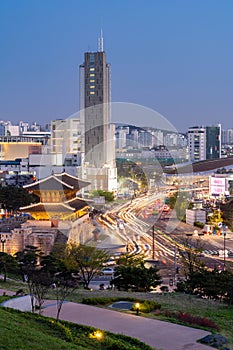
(145, 305)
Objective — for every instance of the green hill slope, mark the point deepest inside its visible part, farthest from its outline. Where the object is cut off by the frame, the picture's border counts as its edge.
(28, 331)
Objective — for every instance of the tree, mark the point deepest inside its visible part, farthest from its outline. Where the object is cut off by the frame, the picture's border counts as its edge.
(59, 266)
(109, 196)
(180, 201)
(132, 273)
(64, 284)
(13, 197)
(210, 284)
(40, 283)
(190, 253)
(86, 260)
(7, 264)
(28, 260)
(136, 260)
(215, 217)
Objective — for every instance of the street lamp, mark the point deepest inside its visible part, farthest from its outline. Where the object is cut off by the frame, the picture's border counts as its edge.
(224, 227)
(224, 250)
(153, 242)
(137, 305)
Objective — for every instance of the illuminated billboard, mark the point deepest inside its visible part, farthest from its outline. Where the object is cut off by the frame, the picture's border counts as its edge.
(217, 186)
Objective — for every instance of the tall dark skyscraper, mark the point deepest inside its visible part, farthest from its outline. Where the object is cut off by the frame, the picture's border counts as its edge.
(98, 141)
(95, 101)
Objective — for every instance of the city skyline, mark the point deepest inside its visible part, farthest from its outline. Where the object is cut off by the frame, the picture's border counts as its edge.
(174, 58)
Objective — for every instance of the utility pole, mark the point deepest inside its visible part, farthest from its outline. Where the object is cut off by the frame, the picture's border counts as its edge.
(224, 245)
(153, 242)
(224, 249)
(175, 267)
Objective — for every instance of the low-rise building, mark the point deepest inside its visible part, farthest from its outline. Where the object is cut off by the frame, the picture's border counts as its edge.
(195, 215)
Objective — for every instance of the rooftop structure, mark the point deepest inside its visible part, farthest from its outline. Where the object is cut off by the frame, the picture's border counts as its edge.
(58, 200)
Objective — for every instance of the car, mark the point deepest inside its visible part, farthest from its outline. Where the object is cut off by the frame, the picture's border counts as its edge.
(107, 271)
(111, 261)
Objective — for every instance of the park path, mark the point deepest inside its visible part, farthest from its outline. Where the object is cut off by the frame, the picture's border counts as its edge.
(157, 334)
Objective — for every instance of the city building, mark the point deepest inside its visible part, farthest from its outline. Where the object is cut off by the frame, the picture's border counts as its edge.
(195, 215)
(60, 213)
(221, 185)
(12, 148)
(58, 199)
(197, 143)
(66, 140)
(95, 114)
(204, 143)
(213, 142)
(227, 137)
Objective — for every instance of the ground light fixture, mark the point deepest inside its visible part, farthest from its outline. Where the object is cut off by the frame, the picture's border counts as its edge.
(137, 306)
(98, 335)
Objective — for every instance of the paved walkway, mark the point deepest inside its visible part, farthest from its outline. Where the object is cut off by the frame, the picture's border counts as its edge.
(158, 334)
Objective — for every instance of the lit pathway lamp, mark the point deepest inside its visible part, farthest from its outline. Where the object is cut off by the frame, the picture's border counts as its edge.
(98, 335)
(137, 306)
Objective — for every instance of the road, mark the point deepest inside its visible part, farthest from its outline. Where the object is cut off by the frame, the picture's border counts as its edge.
(133, 222)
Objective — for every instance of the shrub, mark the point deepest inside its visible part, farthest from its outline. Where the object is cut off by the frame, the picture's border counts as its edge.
(199, 224)
(197, 320)
(65, 330)
(145, 305)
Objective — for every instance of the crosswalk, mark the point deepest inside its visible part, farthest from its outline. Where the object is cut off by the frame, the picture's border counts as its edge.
(216, 252)
(160, 253)
(211, 252)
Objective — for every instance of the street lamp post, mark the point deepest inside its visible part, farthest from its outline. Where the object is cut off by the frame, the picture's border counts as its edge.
(137, 305)
(224, 227)
(224, 249)
(175, 264)
(153, 242)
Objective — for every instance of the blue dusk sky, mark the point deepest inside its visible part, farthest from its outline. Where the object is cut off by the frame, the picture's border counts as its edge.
(173, 56)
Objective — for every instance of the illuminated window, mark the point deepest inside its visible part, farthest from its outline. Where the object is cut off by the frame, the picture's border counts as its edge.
(92, 80)
(92, 93)
(92, 86)
(92, 69)
(92, 75)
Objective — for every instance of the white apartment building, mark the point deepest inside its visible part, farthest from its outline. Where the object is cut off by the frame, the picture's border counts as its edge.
(197, 143)
(227, 136)
(66, 138)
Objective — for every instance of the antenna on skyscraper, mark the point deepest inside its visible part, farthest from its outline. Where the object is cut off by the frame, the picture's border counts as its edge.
(101, 42)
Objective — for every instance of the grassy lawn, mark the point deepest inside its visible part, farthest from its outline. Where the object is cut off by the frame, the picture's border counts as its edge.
(219, 313)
